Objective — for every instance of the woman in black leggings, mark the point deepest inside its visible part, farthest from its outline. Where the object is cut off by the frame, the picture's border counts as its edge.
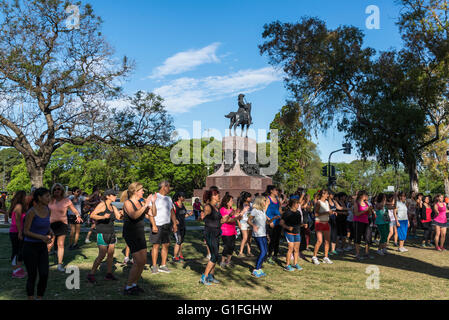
(37, 235)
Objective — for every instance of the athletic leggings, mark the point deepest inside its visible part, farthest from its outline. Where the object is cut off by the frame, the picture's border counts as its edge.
(275, 235)
(427, 227)
(212, 237)
(17, 247)
(35, 257)
(262, 243)
(228, 245)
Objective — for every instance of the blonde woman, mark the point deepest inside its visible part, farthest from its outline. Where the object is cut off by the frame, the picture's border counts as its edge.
(59, 204)
(258, 221)
(134, 233)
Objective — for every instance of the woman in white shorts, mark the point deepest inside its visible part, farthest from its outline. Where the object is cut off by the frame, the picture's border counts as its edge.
(244, 204)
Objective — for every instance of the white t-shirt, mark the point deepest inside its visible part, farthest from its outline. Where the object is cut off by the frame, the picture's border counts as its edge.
(402, 211)
(260, 220)
(164, 205)
(76, 204)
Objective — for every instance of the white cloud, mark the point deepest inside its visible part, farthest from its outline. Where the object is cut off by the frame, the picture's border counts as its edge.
(186, 61)
(182, 94)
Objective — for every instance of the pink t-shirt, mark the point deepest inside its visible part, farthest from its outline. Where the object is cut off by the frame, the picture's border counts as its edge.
(58, 210)
(13, 227)
(227, 229)
(364, 217)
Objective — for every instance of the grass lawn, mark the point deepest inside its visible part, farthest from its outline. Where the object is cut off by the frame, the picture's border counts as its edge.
(417, 274)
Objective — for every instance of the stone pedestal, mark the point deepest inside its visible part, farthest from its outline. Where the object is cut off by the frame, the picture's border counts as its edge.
(239, 170)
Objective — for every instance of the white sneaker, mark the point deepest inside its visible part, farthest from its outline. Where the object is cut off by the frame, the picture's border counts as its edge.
(61, 268)
(208, 257)
(327, 260)
(402, 249)
(87, 241)
(380, 252)
(315, 261)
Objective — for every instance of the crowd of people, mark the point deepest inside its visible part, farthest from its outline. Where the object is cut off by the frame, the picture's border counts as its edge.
(340, 223)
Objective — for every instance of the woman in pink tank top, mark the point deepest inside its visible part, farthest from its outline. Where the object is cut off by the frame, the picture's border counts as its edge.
(17, 213)
(440, 222)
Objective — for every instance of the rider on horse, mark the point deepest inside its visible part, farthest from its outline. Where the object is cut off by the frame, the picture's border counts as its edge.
(245, 108)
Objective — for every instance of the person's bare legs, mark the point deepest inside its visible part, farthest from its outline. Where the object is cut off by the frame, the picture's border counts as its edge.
(437, 236)
(154, 254)
(102, 250)
(443, 237)
(327, 239)
(164, 253)
(135, 273)
(319, 241)
(60, 241)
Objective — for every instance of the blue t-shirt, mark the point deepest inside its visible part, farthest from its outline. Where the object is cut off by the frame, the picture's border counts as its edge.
(40, 226)
(273, 211)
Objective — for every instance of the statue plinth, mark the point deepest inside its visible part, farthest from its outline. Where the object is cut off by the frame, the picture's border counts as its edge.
(239, 170)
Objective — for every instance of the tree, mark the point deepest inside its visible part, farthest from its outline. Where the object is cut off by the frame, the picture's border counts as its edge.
(296, 152)
(435, 159)
(56, 84)
(392, 97)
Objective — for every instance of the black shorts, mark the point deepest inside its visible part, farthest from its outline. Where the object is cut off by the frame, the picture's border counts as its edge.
(135, 240)
(162, 236)
(59, 228)
(179, 236)
(72, 219)
(350, 229)
(360, 229)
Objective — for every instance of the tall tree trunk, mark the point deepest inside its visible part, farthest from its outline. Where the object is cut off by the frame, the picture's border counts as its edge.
(413, 176)
(446, 186)
(36, 173)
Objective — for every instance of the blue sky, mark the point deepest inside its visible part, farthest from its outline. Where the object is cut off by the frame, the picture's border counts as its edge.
(199, 55)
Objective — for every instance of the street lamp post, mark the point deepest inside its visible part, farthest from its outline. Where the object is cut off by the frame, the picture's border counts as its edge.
(347, 150)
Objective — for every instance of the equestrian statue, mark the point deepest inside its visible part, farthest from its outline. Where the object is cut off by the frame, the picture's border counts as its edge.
(242, 117)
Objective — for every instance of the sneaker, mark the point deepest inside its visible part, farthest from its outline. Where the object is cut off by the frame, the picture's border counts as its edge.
(61, 268)
(88, 241)
(126, 260)
(396, 244)
(298, 267)
(333, 253)
(257, 273)
(154, 270)
(380, 252)
(241, 255)
(250, 254)
(212, 279)
(110, 276)
(204, 281)
(423, 245)
(91, 278)
(164, 269)
(315, 261)
(181, 259)
(438, 249)
(327, 260)
(402, 249)
(208, 257)
(289, 268)
(223, 264)
(131, 291)
(270, 260)
(262, 274)
(175, 259)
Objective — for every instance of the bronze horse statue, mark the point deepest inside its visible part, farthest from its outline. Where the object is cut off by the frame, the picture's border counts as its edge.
(242, 117)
